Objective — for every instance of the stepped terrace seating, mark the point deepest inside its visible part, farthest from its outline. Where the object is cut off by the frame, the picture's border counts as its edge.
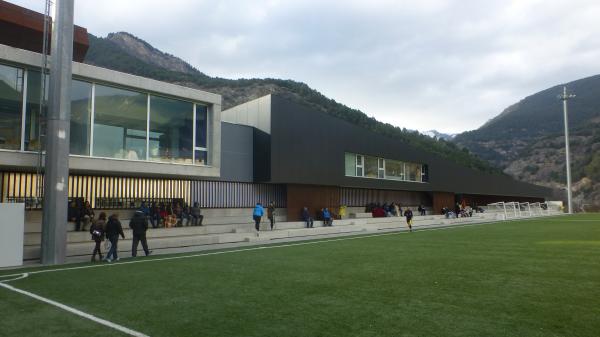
(235, 226)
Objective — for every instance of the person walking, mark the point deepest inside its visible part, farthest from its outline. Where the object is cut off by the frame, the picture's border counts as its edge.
(257, 215)
(271, 213)
(97, 232)
(139, 226)
(113, 230)
(409, 215)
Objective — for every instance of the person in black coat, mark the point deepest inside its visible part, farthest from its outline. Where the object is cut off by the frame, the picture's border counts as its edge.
(409, 215)
(113, 230)
(306, 217)
(97, 232)
(74, 214)
(139, 226)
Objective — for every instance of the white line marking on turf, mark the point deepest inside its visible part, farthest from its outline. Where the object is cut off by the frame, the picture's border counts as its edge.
(402, 230)
(72, 310)
(24, 275)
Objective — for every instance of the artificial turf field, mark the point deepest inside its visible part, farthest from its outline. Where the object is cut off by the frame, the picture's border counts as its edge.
(521, 278)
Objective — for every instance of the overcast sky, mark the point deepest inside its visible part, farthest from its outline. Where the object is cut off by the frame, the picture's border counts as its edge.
(448, 65)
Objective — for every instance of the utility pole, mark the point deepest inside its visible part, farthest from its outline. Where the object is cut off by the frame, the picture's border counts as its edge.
(565, 97)
(56, 182)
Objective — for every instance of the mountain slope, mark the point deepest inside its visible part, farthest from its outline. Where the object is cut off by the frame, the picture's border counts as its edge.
(127, 53)
(527, 139)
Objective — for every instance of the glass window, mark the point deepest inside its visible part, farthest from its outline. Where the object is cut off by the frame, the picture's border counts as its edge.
(11, 105)
(350, 164)
(201, 126)
(425, 174)
(371, 167)
(119, 123)
(394, 169)
(413, 171)
(32, 110)
(81, 110)
(171, 131)
(359, 165)
(201, 157)
(381, 169)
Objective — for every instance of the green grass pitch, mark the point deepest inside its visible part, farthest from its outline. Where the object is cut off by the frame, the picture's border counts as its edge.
(521, 278)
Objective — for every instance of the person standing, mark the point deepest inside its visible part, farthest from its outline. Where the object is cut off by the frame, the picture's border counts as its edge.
(271, 213)
(97, 232)
(113, 230)
(409, 215)
(327, 218)
(257, 215)
(154, 215)
(139, 226)
(74, 214)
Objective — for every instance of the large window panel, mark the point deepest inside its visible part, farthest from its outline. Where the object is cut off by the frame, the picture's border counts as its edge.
(11, 107)
(394, 169)
(81, 111)
(32, 110)
(201, 126)
(371, 167)
(119, 123)
(171, 130)
(413, 172)
(350, 164)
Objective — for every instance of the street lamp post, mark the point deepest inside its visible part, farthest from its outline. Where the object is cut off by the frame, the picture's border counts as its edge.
(565, 97)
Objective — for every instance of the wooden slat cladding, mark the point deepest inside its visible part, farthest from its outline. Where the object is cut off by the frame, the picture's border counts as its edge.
(313, 197)
(441, 200)
(128, 192)
(358, 197)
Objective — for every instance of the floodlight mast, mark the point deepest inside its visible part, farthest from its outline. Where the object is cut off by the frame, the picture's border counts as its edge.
(565, 97)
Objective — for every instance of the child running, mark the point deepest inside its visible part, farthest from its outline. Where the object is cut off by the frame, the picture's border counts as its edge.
(409, 215)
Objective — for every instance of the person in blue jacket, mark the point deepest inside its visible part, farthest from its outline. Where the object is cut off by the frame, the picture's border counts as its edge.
(327, 219)
(257, 215)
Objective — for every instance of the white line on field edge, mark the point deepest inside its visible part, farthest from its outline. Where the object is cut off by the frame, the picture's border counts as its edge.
(74, 311)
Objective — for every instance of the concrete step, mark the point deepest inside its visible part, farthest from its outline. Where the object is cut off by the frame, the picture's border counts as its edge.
(361, 215)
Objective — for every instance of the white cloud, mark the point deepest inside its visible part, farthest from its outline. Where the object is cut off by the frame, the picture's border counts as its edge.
(431, 64)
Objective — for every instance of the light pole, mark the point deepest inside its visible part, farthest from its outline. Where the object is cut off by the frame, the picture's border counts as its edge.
(565, 97)
(54, 218)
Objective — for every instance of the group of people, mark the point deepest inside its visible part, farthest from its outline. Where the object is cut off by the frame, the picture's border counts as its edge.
(460, 211)
(324, 213)
(81, 214)
(172, 214)
(388, 210)
(258, 213)
(166, 214)
(111, 229)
